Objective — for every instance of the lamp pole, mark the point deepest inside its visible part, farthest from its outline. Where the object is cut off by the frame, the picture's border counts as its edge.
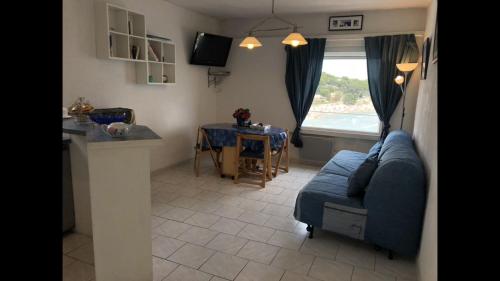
(403, 90)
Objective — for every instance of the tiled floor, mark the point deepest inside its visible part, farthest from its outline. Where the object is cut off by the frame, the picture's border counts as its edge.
(207, 228)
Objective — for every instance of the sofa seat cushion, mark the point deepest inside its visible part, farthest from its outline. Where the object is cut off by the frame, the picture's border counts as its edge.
(344, 163)
(324, 187)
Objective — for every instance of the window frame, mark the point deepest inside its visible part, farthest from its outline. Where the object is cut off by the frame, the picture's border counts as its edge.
(308, 130)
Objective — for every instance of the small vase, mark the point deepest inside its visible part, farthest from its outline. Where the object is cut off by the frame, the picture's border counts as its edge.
(240, 122)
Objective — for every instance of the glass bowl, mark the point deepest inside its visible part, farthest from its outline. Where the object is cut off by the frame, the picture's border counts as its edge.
(117, 129)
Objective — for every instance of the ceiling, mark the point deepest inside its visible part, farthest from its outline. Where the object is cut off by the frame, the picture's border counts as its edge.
(225, 9)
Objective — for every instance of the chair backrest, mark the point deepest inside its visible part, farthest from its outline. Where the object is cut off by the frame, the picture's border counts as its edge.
(265, 139)
(202, 141)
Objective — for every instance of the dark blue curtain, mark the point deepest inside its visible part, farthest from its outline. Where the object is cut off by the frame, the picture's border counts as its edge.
(382, 55)
(303, 71)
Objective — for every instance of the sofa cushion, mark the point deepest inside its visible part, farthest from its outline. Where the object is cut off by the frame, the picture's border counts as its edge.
(324, 187)
(360, 178)
(375, 149)
(344, 163)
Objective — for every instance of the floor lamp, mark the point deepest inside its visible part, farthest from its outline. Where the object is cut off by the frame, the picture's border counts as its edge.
(405, 68)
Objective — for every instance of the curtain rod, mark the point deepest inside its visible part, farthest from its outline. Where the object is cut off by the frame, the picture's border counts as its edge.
(354, 36)
(360, 36)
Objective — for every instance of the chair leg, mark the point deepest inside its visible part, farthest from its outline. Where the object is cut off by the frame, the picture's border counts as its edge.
(264, 173)
(197, 163)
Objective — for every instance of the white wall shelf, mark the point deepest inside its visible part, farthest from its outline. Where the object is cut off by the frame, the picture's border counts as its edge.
(121, 34)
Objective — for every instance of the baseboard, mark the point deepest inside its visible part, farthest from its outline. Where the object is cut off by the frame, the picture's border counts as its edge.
(307, 162)
(163, 169)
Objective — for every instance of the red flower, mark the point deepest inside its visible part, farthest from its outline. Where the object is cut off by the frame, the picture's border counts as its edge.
(241, 113)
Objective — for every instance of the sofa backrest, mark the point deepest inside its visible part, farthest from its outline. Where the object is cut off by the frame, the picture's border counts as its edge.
(395, 196)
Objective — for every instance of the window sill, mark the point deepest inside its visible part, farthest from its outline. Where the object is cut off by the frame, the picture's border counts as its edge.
(338, 133)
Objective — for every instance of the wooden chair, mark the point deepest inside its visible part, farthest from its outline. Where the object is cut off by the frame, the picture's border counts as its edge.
(279, 156)
(201, 137)
(249, 156)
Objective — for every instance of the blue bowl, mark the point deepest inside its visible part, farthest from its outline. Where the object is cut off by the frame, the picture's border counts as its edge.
(107, 119)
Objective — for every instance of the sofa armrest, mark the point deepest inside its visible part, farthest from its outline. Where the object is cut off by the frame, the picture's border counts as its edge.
(395, 199)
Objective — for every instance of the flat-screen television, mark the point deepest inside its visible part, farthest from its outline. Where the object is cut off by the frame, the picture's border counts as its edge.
(210, 49)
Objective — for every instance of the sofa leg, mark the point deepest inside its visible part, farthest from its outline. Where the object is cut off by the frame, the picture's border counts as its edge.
(391, 255)
(310, 229)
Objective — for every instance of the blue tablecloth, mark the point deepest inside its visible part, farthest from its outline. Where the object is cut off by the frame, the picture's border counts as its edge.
(224, 134)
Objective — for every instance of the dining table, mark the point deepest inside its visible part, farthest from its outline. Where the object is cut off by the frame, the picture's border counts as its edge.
(223, 136)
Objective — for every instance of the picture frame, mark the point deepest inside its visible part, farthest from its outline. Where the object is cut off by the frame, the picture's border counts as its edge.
(354, 22)
(425, 58)
(435, 45)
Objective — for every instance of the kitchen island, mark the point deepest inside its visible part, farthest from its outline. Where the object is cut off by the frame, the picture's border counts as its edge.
(112, 197)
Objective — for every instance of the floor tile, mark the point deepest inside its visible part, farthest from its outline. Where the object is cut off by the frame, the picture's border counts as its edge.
(184, 202)
(230, 200)
(216, 278)
(259, 272)
(292, 276)
(329, 270)
(274, 199)
(162, 268)
(254, 217)
(357, 254)
(361, 274)
(84, 253)
(252, 205)
(293, 261)
(159, 208)
(72, 241)
(277, 210)
(206, 206)
(400, 267)
(191, 255)
(226, 243)
(68, 260)
(165, 197)
(184, 273)
(229, 212)
(224, 265)
(259, 252)
(321, 247)
(256, 233)
(287, 240)
(156, 221)
(228, 226)
(281, 223)
(209, 196)
(178, 214)
(171, 228)
(202, 219)
(252, 194)
(231, 189)
(78, 271)
(271, 189)
(197, 235)
(165, 246)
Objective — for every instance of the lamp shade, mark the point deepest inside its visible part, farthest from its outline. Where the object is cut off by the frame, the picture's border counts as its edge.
(250, 42)
(295, 39)
(399, 79)
(407, 67)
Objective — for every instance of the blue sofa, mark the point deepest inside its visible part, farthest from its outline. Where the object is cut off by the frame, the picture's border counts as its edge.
(388, 214)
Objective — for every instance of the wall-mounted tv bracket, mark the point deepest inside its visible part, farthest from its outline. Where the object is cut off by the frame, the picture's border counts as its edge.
(215, 77)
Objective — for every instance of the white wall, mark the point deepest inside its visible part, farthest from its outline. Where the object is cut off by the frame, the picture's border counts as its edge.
(173, 111)
(425, 134)
(257, 78)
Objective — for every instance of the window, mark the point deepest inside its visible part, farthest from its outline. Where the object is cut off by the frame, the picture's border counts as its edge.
(342, 101)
